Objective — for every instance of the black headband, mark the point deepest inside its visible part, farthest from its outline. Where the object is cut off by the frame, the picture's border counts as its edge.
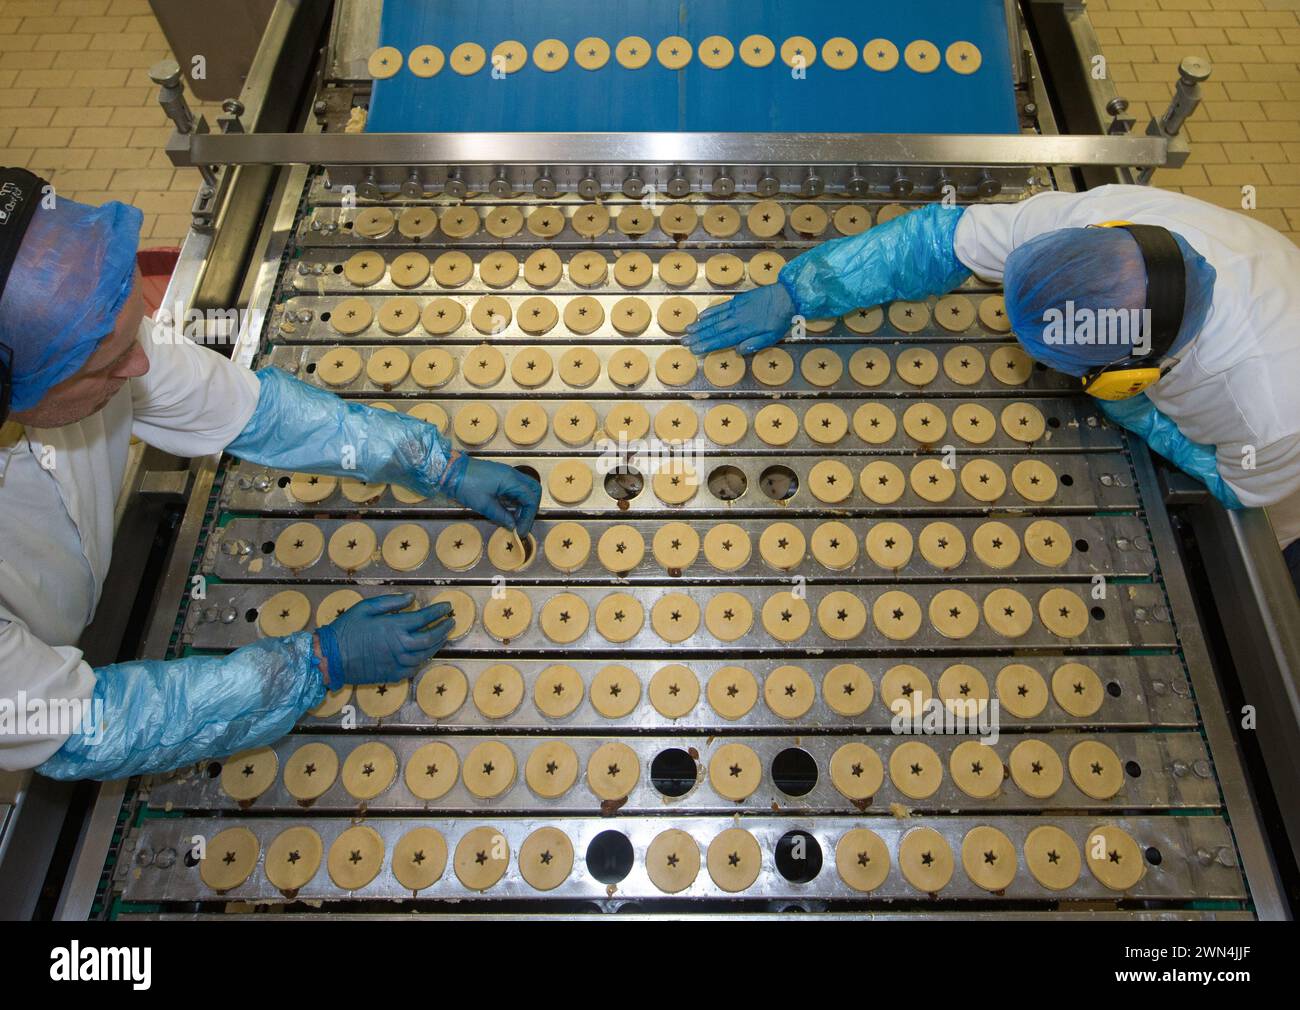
(20, 191)
(1166, 283)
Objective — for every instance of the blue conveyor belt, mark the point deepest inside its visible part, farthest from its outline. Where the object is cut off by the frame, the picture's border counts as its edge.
(735, 99)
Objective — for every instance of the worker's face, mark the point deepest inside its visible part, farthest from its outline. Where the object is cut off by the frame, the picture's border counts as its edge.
(119, 357)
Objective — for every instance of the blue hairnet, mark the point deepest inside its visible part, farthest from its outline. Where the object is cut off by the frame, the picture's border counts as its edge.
(72, 275)
(1097, 269)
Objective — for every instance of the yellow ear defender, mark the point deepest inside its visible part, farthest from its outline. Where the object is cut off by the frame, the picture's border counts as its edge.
(1166, 292)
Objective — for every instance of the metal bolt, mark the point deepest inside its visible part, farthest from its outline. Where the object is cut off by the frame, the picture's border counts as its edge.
(1159, 687)
(412, 188)
(262, 482)
(1202, 768)
(1031, 108)
(165, 859)
(588, 187)
(303, 268)
(901, 186)
(634, 186)
(1160, 612)
(455, 187)
(1122, 543)
(320, 108)
(1180, 769)
(1226, 856)
(678, 185)
(1204, 856)
(1107, 480)
(813, 185)
(212, 614)
(723, 185)
(1140, 613)
(767, 185)
(229, 615)
(544, 186)
(143, 856)
(500, 186)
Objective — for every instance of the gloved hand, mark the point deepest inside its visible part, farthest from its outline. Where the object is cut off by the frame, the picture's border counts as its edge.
(375, 642)
(907, 258)
(1142, 417)
(749, 322)
(498, 492)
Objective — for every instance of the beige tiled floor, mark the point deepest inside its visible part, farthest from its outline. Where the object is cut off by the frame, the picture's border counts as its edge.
(76, 101)
(77, 106)
(1247, 131)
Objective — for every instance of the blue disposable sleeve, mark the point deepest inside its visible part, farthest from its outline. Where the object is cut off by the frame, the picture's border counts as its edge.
(153, 716)
(1142, 417)
(300, 427)
(904, 259)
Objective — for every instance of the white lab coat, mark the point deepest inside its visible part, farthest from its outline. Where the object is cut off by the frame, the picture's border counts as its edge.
(57, 496)
(1237, 386)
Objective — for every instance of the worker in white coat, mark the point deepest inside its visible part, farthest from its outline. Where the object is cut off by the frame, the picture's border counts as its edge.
(81, 372)
(1208, 373)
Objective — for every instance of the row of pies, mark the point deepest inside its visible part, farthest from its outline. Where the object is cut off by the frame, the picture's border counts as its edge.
(631, 316)
(674, 691)
(484, 366)
(613, 770)
(576, 423)
(728, 616)
(675, 546)
(675, 52)
(766, 220)
(672, 860)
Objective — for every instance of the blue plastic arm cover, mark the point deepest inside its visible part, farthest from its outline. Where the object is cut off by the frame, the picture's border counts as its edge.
(299, 427)
(1142, 417)
(153, 716)
(904, 259)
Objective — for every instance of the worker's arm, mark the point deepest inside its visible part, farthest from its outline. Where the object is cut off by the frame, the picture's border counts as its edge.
(152, 716)
(1140, 416)
(193, 402)
(907, 258)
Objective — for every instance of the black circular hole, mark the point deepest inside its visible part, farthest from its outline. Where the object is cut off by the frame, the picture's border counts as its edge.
(190, 859)
(728, 482)
(1154, 856)
(609, 857)
(528, 471)
(213, 769)
(794, 771)
(798, 857)
(325, 316)
(250, 615)
(1039, 366)
(338, 268)
(268, 546)
(1067, 480)
(347, 224)
(1082, 546)
(1098, 614)
(1053, 422)
(779, 482)
(311, 367)
(284, 481)
(673, 772)
(1113, 689)
(624, 483)
(1134, 769)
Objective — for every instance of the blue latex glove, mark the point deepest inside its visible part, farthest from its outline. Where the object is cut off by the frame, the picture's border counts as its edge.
(375, 642)
(153, 716)
(500, 493)
(749, 322)
(907, 258)
(1142, 417)
(300, 427)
